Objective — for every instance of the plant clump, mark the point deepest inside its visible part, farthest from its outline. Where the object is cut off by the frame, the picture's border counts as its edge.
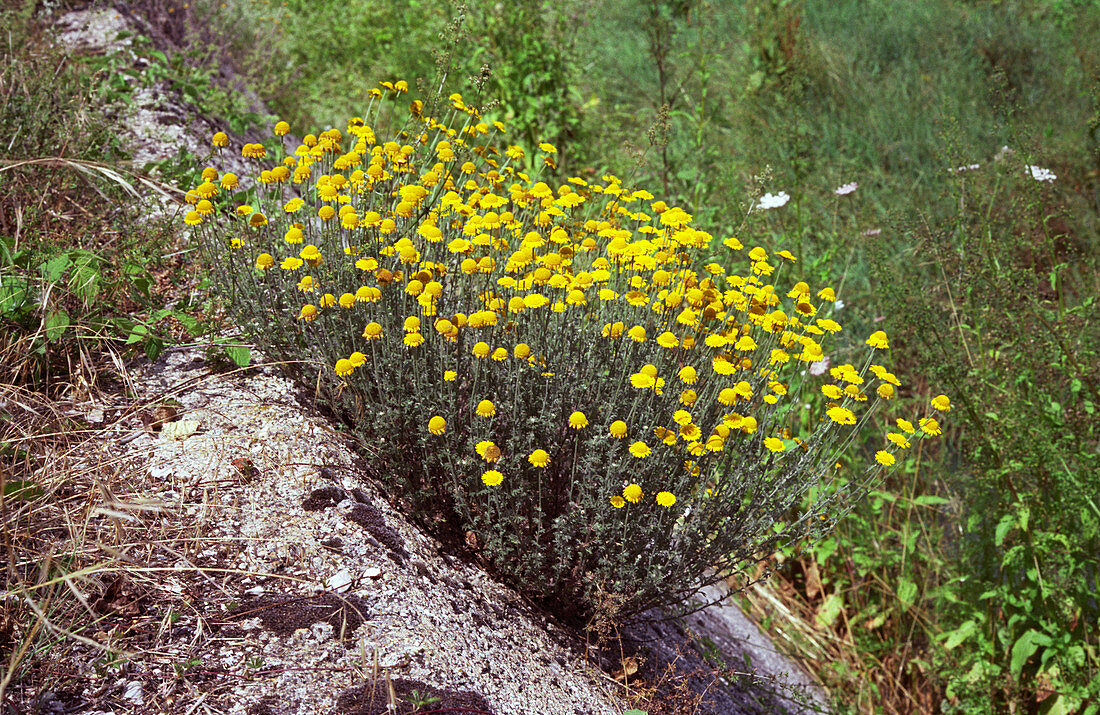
(595, 393)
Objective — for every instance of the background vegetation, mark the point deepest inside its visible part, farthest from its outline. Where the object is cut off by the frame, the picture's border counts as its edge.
(969, 582)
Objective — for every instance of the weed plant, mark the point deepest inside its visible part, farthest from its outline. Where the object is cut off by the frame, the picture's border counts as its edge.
(558, 376)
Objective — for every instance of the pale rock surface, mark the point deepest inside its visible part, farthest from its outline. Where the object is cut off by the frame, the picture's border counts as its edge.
(302, 525)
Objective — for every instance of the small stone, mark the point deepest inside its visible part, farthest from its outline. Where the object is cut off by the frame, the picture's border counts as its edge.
(340, 581)
(134, 693)
(372, 572)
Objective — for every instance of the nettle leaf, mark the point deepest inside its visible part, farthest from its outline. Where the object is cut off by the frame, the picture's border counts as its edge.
(828, 611)
(22, 490)
(85, 278)
(240, 355)
(1024, 647)
(55, 324)
(53, 269)
(1003, 527)
(907, 593)
(960, 634)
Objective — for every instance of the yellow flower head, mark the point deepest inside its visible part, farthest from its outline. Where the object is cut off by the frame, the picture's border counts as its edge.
(343, 367)
(666, 499)
(539, 458)
(492, 478)
(618, 502)
(437, 425)
(930, 426)
(632, 493)
(941, 403)
(884, 458)
(577, 420)
(618, 429)
(841, 415)
(485, 408)
(640, 450)
(878, 340)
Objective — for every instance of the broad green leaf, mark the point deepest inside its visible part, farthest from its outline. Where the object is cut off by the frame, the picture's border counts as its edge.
(960, 634)
(55, 325)
(929, 500)
(23, 490)
(1024, 647)
(907, 593)
(53, 269)
(828, 611)
(240, 356)
(13, 293)
(85, 278)
(1003, 527)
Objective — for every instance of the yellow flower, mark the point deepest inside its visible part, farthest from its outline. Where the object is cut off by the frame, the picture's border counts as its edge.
(485, 408)
(640, 450)
(500, 354)
(309, 312)
(522, 351)
(488, 450)
(481, 350)
(357, 359)
(688, 375)
(642, 381)
(885, 391)
(841, 415)
(878, 340)
(492, 478)
(898, 439)
(414, 340)
(618, 429)
(688, 397)
(632, 493)
(264, 261)
(774, 444)
(539, 458)
(343, 367)
(437, 425)
(941, 403)
(347, 300)
(193, 218)
(905, 426)
(930, 426)
(885, 458)
(373, 331)
(412, 324)
(577, 420)
(450, 375)
(666, 499)
(281, 128)
(307, 284)
(219, 139)
(667, 340)
(637, 334)
(618, 502)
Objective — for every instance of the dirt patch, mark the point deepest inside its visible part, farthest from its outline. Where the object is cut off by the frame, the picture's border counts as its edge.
(362, 513)
(412, 696)
(284, 614)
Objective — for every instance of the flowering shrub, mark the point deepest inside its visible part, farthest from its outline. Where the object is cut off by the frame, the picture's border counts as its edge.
(574, 380)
